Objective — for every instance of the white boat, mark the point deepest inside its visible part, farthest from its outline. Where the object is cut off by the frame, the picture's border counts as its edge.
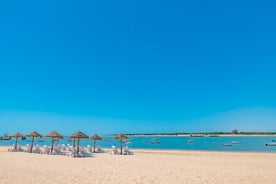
(127, 142)
(271, 144)
(190, 141)
(155, 140)
(107, 140)
(234, 142)
(227, 144)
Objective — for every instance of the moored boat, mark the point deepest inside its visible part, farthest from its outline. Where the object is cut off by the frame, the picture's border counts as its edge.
(227, 144)
(271, 144)
(6, 137)
(155, 140)
(190, 141)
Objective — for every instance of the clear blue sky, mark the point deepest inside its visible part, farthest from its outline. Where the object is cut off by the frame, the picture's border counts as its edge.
(144, 66)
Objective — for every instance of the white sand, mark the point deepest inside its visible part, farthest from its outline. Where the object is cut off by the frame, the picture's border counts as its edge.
(146, 166)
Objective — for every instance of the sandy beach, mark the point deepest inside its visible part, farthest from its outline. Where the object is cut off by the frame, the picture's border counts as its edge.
(146, 166)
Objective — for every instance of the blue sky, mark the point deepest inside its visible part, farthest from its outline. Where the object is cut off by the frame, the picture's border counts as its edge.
(145, 66)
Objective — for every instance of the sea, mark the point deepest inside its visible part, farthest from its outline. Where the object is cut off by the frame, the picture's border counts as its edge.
(221, 143)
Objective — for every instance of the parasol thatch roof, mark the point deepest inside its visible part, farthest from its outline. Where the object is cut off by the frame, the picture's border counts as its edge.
(17, 135)
(121, 136)
(96, 137)
(78, 134)
(34, 134)
(54, 134)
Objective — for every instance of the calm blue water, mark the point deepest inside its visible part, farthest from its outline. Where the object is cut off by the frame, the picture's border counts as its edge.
(249, 144)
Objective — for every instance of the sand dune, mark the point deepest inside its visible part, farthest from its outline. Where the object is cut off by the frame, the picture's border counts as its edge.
(146, 166)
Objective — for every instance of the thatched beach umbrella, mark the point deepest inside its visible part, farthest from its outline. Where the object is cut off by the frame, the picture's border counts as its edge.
(17, 135)
(33, 135)
(54, 135)
(78, 135)
(121, 137)
(95, 137)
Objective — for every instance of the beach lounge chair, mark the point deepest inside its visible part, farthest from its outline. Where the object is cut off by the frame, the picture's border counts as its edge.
(85, 152)
(45, 150)
(62, 150)
(63, 147)
(99, 150)
(70, 151)
(28, 148)
(36, 149)
(57, 150)
(126, 151)
(89, 148)
(114, 150)
(19, 148)
(12, 149)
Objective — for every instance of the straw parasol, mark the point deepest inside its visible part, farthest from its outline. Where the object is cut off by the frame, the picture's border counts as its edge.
(54, 135)
(78, 135)
(17, 135)
(121, 137)
(95, 137)
(33, 135)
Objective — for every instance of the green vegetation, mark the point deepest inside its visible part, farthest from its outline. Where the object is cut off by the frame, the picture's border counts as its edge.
(234, 132)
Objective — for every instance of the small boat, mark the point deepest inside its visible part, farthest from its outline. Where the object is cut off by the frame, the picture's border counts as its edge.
(271, 144)
(273, 141)
(6, 137)
(227, 144)
(127, 141)
(190, 141)
(23, 138)
(234, 142)
(155, 140)
(213, 136)
(40, 140)
(107, 140)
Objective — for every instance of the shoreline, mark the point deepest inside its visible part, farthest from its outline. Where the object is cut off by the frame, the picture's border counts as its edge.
(171, 152)
(209, 135)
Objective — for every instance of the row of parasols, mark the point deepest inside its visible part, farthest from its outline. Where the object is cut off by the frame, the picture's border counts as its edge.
(55, 136)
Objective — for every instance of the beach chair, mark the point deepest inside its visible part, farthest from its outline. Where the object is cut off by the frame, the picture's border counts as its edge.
(126, 151)
(114, 150)
(19, 148)
(89, 148)
(62, 150)
(58, 150)
(28, 148)
(45, 150)
(12, 149)
(85, 152)
(36, 149)
(99, 150)
(70, 151)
